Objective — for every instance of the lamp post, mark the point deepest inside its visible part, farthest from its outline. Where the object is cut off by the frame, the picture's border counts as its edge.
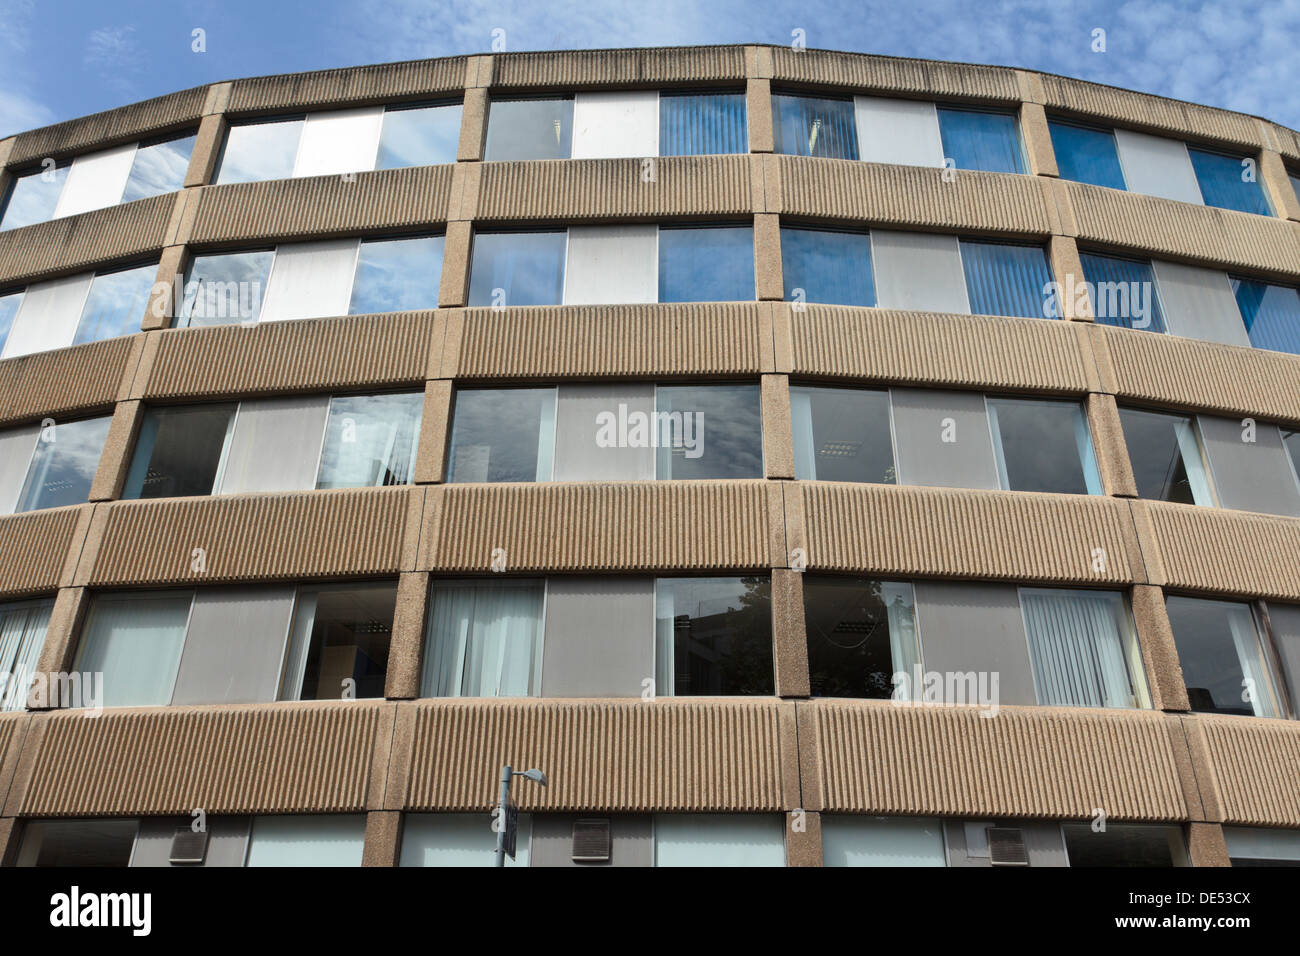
(506, 820)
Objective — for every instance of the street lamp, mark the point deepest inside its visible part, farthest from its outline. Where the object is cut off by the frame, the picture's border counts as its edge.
(508, 820)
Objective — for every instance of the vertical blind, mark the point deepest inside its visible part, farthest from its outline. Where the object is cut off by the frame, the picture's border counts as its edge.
(719, 839)
(1086, 155)
(308, 840)
(22, 633)
(484, 640)
(135, 641)
(1229, 182)
(1113, 305)
(699, 124)
(814, 126)
(1006, 279)
(1077, 646)
(1271, 314)
(976, 139)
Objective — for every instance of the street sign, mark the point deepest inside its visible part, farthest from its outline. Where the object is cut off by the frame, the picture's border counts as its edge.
(511, 828)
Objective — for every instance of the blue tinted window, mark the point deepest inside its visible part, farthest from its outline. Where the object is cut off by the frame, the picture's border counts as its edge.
(517, 268)
(1007, 280)
(33, 197)
(396, 275)
(1087, 155)
(226, 288)
(8, 309)
(710, 264)
(823, 266)
(699, 124)
(529, 129)
(974, 139)
(116, 304)
(1224, 183)
(159, 168)
(63, 464)
(1123, 292)
(1271, 314)
(814, 126)
(419, 136)
(256, 151)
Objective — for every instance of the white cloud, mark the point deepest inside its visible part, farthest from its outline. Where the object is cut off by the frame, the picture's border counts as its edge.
(112, 54)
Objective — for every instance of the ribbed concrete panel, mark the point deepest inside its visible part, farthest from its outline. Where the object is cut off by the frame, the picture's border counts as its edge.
(877, 758)
(921, 347)
(584, 68)
(362, 84)
(81, 242)
(1256, 765)
(575, 341)
(323, 205)
(136, 121)
(912, 195)
(290, 536)
(610, 755)
(1229, 552)
(624, 526)
(269, 758)
(64, 381)
(33, 548)
(314, 354)
(867, 73)
(692, 186)
(1156, 227)
(1203, 375)
(904, 531)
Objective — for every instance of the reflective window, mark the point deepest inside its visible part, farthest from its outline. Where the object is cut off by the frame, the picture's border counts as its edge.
(706, 264)
(1006, 279)
(370, 440)
(1124, 844)
(719, 839)
(529, 129)
(116, 304)
(315, 839)
(338, 642)
(517, 268)
(484, 639)
(1123, 292)
(1229, 182)
(159, 167)
(842, 434)
(699, 124)
(502, 435)
(720, 429)
(818, 265)
(860, 634)
(713, 637)
(1043, 446)
(980, 139)
(8, 309)
(1168, 461)
(859, 840)
(261, 150)
(1271, 314)
(1083, 649)
(1222, 658)
(419, 136)
(397, 275)
(179, 451)
(226, 288)
(135, 641)
(1086, 155)
(458, 839)
(33, 197)
(814, 126)
(64, 464)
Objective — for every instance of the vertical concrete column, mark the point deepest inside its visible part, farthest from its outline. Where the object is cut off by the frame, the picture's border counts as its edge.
(60, 639)
(758, 113)
(208, 144)
(1277, 186)
(430, 461)
(1067, 270)
(789, 635)
(1038, 140)
(474, 111)
(10, 836)
(160, 312)
(406, 647)
(115, 459)
(803, 838)
(453, 290)
(1206, 845)
(768, 279)
(1112, 452)
(383, 844)
(1159, 652)
(6, 147)
(778, 438)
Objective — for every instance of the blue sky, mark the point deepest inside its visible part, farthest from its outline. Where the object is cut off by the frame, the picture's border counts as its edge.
(65, 58)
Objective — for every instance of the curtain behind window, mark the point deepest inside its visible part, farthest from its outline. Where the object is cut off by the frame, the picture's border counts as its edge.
(1006, 279)
(22, 634)
(1077, 647)
(135, 641)
(701, 124)
(484, 640)
(814, 126)
(974, 139)
(1134, 276)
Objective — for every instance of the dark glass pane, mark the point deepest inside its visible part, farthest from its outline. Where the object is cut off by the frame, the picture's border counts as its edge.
(1157, 457)
(710, 264)
(396, 275)
(529, 129)
(178, 451)
(34, 197)
(159, 168)
(1123, 292)
(850, 652)
(1123, 845)
(714, 431)
(974, 139)
(517, 268)
(1004, 279)
(116, 304)
(256, 151)
(226, 288)
(78, 843)
(823, 266)
(1087, 155)
(814, 126)
(1229, 182)
(717, 634)
(1271, 314)
(699, 124)
(1207, 634)
(1043, 446)
(842, 434)
(64, 464)
(420, 136)
(346, 630)
(502, 435)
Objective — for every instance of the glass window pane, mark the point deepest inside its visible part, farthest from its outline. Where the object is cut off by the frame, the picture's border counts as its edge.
(822, 266)
(370, 441)
(974, 139)
(179, 451)
(1086, 155)
(709, 431)
(1228, 182)
(484, 639)
(458, 839)
(1222, 660)
(397, 275)
(517, 268)
(1122, 844)
(842, 434)
(308, 840)
(700, 124)
(225, 288)
(22, 636)
(34, 197)
(1123, 292)
(502, 435)
(814, 126)
(1291, 440)
(709, 264)
(159, 168)
(64, 464)
(419, 136)
(256, 151)
(8, 309)
(1271, 314)
(135, 641)
(1168, 463)
(529, 129)
(116, 304)
(1082, 649)
(860, 634)
(1043, 446)
(338, 642)
(77, 843)
(719, 839)
(855, 840)
(1004, 279)
(713, 637)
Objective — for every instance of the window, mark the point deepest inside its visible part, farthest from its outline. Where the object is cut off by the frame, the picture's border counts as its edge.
(371, 441)
(338, 643)
(700, 124)
(8, 309)
(1123, 292)
(179, 451)
(484, 639)
(63, 464)
(853, 840)
(225, 287)
(706, 264)
(159, 167)
(1168, 461)
(419, 136)
(823, 266)
(814, 126)
(981, 139)
(260, 150)
(842, 434)
(1043, 446)
(1271, 314)
(502, 435)
(1224, 181)
(397, 275)
(307, 840)
(529, 129)
(135, 641)
(860, 634)
(34, 196)
(1261, 846)
(1086, 155)
(77, 843)
(22, 635)
(1083, 649)
(719, 839)
(116, 304)
(721, 431)
(1004, 279)
(713, 637)
(1222, 657)
(517, 268)
(458, 839)
(1124, 844)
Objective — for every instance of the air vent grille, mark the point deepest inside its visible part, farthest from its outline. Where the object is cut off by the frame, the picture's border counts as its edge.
(188, 846)
(1007, 846)
(591, 841)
